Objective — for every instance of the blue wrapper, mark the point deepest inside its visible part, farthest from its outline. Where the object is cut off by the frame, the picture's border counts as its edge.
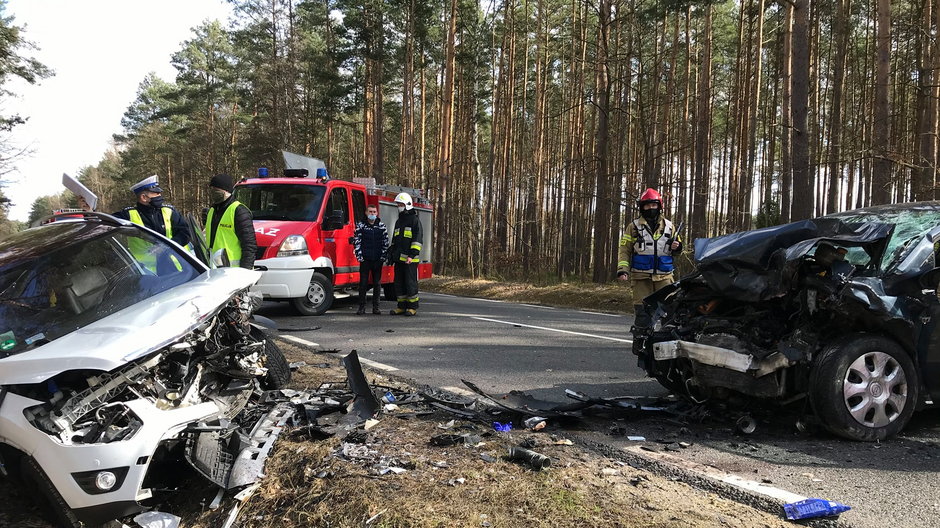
(809, 508)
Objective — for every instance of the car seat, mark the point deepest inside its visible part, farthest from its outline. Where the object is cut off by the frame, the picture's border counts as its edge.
(84, 289)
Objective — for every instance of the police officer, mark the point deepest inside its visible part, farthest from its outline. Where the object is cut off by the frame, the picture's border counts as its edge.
(151, 212)
(404, 254)
(646, 250)
(229, 224)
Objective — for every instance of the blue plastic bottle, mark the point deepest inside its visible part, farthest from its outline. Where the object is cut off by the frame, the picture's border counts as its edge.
(806, 509)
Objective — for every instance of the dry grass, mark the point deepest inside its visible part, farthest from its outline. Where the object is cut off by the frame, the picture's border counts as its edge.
(580, 489)
(611, 297)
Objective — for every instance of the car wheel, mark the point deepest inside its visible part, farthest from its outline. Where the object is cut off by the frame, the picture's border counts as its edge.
(278, 375)
(864, 389)
(36, 481)
(319, 296)
(389, 291)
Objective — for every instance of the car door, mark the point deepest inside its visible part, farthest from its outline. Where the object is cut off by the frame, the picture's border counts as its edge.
(338, 227)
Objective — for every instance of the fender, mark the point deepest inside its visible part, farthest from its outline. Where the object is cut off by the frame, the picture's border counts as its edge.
(324, 262)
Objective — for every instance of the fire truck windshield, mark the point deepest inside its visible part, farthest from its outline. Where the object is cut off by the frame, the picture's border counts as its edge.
(276, 201)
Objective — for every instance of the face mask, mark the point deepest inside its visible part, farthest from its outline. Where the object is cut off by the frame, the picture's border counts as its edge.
(217, 196)
(651, 215)
(372, 217)
(156, 201)
(401, 208)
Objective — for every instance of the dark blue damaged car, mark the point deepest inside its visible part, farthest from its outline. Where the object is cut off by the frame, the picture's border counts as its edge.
(842, 310)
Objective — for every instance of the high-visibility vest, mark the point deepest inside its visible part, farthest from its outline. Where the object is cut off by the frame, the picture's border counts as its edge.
(651, 252)
(140, 247)
(225, 237)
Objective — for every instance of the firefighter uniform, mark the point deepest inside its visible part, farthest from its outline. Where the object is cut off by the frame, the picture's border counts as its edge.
(406, 243)
(645, 254)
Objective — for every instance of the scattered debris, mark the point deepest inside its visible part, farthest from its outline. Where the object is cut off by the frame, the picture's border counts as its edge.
(809, 508)
(502, 427)
(297, 364)
(157, 519)
(537, 461)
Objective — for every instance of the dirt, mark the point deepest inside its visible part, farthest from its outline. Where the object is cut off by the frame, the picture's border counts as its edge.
(614, 296)
(310, 484)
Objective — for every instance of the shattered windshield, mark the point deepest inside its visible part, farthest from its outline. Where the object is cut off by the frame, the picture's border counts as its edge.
(269, 201)
(61, 277)
(911, 224)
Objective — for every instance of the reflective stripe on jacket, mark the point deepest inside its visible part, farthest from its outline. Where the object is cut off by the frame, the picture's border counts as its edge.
(651, 251)
(140, 247)
(225, 237)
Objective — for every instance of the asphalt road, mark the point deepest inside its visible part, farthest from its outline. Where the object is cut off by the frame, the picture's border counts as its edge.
(542, 351)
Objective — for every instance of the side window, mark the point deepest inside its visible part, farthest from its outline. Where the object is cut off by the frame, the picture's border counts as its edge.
(338, 205)
(359, 205)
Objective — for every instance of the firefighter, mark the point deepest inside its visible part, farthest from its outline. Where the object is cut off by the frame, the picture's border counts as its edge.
(404, 254)
(229, 224)
(151, 212)
(370, 242)
(646, 250)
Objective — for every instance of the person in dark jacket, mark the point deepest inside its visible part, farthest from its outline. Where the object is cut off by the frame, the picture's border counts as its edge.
(150, 211)
(370, 242)
(405, 254)
(229, 224)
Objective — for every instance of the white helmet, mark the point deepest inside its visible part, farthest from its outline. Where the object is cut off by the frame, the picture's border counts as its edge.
(404, 199)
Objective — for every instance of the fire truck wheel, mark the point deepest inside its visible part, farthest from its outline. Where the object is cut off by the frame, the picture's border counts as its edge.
(388, 290)
(319, 296)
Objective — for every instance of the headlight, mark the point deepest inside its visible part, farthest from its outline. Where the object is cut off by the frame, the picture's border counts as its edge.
(292, 246)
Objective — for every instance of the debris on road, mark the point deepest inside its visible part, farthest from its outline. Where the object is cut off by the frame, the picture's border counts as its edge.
(810, 508)
(538, 461)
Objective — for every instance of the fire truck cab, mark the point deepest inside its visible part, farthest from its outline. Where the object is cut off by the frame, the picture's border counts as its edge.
(304, 225)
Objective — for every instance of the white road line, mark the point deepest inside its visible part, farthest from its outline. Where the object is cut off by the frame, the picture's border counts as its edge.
(537, 306)
(600, 313)
(377, 365)
(719, 475)
(440, 294)
(299, 340)
(487, 300)
(555, 330)
(461, 391)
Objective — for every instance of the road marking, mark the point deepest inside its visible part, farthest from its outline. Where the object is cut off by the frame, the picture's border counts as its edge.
(537, 306)
(299, 341)
(719, 475)
(461, 391)
(377, 365)
(441, 295)
(599, 313)
(617, 339)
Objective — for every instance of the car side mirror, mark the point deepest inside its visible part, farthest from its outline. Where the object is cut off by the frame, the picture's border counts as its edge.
(220, 259)
(931, 279)
(333, 221)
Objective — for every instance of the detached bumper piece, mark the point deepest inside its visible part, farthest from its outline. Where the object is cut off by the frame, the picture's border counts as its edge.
(232, 458)
(722, 367)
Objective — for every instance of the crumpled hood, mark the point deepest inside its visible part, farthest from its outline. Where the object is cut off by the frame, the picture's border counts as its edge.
(130, 333)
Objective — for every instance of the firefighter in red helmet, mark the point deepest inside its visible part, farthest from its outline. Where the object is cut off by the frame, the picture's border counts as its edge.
(646, 250)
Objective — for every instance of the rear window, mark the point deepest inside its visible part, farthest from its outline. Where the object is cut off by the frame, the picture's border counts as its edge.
(281, 201)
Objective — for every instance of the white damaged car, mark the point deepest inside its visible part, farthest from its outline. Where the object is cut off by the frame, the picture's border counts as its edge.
(122, 357)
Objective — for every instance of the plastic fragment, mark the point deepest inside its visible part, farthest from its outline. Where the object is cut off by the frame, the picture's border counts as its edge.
(809, 508)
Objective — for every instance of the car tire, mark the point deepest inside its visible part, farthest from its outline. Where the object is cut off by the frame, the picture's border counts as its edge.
(319, 296)
(864, 388)
(278, 375)
(39, 485)
(389, 291)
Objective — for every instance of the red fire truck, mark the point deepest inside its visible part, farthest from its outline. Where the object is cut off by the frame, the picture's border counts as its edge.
(304, 224)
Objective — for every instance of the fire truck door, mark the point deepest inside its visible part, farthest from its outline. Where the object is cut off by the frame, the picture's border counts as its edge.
(338, 228)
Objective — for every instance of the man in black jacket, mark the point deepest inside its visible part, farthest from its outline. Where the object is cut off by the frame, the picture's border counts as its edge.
(151, 212)
(370, 242)
(229, 224)
(405, 254)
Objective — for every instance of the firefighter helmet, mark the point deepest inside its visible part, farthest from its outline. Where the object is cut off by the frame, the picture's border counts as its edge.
(404, 199)
(649, 196)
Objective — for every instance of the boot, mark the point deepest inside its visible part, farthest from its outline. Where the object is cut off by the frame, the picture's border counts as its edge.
(411, 311)
(397, 311)
(362, 310)
(375, 310)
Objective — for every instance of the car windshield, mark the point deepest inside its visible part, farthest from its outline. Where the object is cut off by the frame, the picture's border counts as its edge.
(61, 277)
(269, 201)
(910, 224)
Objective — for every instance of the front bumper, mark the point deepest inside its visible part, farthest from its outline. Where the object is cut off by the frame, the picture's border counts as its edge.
(61, 461)
(285, 277)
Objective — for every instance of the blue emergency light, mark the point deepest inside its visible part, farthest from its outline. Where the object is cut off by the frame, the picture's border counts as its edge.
(262, 172)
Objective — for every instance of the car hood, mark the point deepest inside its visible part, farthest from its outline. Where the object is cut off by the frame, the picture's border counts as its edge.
(131, 333)
(756, 265)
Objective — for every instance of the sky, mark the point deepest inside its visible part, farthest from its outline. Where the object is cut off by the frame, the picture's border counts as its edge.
(100, 51)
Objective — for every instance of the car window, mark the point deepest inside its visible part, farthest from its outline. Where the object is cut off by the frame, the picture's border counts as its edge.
(359, 205)
(47, 294)
(338, 205)
(269, 201)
